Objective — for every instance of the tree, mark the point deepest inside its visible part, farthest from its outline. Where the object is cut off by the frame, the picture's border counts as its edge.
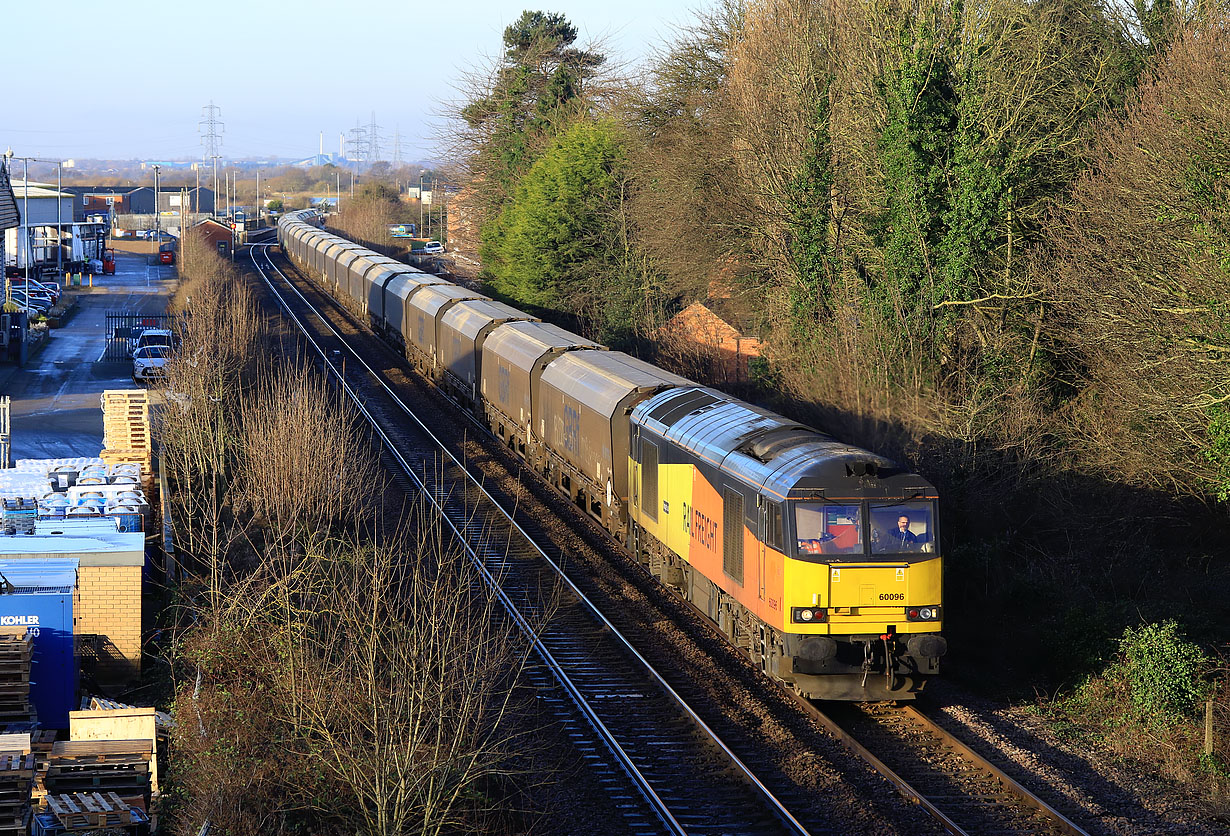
(1142, 262)
(538, 89)
(561, 238)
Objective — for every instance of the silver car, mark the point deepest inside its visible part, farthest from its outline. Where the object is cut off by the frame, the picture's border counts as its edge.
(149, 363)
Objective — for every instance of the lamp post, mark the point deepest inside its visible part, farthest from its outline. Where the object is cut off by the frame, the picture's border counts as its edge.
(25, 217)
(157, 226)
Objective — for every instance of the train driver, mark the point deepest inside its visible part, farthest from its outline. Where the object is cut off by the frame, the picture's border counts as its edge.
(903, 536)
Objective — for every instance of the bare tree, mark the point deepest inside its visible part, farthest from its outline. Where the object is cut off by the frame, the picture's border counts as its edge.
(1141, 268)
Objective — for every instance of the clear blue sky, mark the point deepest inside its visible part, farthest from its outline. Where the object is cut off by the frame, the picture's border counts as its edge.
(128, 78)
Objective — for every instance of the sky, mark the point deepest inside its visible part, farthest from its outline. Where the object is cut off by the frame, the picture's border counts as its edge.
(128, 79)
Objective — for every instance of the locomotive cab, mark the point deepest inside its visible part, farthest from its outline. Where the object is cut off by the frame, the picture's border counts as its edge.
(863, 597)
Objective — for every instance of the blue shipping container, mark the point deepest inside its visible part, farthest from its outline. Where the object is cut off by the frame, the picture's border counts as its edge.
(42, 601)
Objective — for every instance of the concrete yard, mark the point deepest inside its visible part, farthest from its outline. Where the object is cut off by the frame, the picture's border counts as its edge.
(56, 397)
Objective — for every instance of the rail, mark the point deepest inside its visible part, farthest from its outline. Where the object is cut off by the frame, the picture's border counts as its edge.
(1055, 822)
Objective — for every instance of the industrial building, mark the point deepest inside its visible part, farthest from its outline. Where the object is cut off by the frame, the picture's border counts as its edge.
(111, 201)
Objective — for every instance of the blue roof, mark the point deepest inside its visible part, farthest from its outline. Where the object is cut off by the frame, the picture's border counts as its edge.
(53, 575)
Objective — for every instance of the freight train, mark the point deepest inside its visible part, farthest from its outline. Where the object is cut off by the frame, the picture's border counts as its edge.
(818, 559)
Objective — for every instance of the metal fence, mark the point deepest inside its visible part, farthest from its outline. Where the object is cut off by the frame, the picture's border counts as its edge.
(123, 329)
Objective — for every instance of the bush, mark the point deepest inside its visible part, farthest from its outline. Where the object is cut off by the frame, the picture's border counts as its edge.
(1165, 672)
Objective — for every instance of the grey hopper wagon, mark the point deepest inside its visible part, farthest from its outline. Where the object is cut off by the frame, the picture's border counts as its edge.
(336, 256)
(586, 398)
(463, 329)
(396, 287)
(423, 311)
(514, 357)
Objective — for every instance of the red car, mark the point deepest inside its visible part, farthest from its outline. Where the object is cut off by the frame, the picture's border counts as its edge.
(166, 257)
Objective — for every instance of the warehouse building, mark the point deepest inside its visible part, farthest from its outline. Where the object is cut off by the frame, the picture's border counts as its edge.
(106, 596)
(46, 216)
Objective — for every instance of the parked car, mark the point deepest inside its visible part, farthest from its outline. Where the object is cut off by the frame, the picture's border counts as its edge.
(37, 288)
(38, 304)
(156, 336)
(149, 363)
(433, 248)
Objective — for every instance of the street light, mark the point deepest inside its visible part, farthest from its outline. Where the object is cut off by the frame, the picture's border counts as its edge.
(157, 225)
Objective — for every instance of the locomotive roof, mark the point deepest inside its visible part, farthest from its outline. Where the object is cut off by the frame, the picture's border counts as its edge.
(769, 451)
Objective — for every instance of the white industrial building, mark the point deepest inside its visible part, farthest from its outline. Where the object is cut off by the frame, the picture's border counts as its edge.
(47, 217)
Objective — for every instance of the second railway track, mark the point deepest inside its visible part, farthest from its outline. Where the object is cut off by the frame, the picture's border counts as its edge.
(972, 798)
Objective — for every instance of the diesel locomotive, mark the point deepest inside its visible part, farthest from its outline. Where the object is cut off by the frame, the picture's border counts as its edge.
(818, 559)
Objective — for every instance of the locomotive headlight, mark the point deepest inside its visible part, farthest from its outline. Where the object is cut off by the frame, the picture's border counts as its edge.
(808, 615)
(922, 613)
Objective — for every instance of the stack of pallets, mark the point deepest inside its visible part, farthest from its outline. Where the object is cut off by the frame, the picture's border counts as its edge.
(126, 427)
(20, 514)
(16, 779)
(90, 811)
(100, 766)
(15, 655)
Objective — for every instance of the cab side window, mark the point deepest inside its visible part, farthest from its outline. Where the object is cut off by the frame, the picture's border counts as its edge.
(772, 521)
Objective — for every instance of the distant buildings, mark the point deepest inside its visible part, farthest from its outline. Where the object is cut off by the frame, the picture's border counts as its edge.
(109, 201)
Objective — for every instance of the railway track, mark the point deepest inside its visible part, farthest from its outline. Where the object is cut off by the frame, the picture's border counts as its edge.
(648, 750)
(960, 790)
(963, 791)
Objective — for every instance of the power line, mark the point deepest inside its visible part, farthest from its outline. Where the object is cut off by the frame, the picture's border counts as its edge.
(373, 140)
(211, 129)
(358, 142)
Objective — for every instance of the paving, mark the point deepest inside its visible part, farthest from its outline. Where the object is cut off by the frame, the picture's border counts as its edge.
(57, 409)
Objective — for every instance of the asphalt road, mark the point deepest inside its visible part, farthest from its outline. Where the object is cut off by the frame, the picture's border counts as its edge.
(57, 408)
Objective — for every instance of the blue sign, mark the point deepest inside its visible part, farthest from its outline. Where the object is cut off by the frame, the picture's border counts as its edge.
(42, 603)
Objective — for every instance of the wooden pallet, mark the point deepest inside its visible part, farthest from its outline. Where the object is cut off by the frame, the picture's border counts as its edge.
(20, 829)
(102, 751)
(14, 766)
(125, 396)
(89, 811)
(16, 646)
(141, 457)
(41, 742)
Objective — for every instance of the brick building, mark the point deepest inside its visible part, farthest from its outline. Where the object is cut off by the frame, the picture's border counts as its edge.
(698, 329)
(218, 234)
(106, 598)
